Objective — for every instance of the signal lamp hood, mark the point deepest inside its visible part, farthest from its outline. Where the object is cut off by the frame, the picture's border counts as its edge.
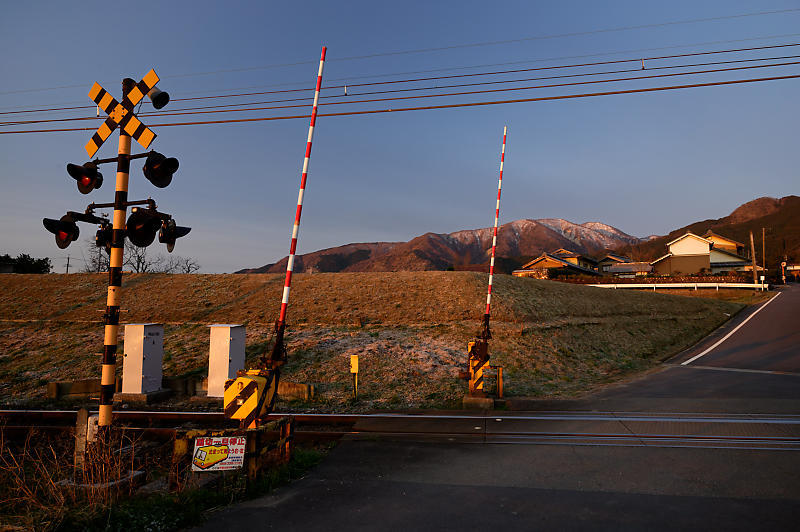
(87, 176)
(158, 169)
(171, 232)
(65, 230)
(142, 227)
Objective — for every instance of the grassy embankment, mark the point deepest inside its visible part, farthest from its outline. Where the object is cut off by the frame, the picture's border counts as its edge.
(410, 330)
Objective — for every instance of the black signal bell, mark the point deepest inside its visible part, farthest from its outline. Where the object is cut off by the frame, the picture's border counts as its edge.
(142, 226)
(158, 169)
(158, 97)
(87, 176)
(171, 232)
(65, 230)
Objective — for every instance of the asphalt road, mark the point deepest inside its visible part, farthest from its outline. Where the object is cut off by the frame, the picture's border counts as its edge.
(686, 448)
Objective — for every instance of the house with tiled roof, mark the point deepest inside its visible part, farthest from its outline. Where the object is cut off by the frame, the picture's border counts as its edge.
(559, 263)
(630, 269)
(575, 258)
(609, 259)
(725, 243)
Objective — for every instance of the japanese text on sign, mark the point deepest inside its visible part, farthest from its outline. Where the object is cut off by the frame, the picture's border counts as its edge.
(218, 453)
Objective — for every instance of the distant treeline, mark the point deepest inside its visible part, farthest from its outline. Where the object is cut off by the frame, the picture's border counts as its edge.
(24, 263)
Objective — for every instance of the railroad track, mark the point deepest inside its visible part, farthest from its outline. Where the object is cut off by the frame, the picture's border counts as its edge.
(633, 429)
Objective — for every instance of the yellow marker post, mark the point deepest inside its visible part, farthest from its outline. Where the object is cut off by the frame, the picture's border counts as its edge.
(354, 371)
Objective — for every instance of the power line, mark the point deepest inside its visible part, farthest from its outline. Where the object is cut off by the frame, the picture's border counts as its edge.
(352, 102)
(463, 93)
(498, 102)
(572, 34)
(431, 78)
(444, 106)
(540, 60)
(560, 58)
(458, 46)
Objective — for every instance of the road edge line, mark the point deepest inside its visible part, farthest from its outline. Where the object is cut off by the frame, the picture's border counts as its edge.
(762, 307)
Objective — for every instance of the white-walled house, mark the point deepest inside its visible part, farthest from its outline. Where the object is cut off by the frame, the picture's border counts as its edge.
(691, 254)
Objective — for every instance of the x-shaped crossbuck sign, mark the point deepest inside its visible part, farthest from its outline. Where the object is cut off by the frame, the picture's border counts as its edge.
(121, 114)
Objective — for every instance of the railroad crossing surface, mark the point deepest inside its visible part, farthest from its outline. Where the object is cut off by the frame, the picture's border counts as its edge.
(709, 442)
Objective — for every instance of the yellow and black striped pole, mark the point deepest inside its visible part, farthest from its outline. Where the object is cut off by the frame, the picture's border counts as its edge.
(109, 365)
(477, 357)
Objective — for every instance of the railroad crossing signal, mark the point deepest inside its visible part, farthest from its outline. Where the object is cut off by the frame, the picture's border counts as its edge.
(143, 225)
(121, 114)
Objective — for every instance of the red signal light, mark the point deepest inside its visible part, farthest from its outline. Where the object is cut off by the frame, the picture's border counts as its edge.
(87, 176)
(65, 230)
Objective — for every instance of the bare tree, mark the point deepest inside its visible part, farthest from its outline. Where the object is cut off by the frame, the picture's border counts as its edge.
(187, 265)
(137, 260)
(96, 259)
(176, 264)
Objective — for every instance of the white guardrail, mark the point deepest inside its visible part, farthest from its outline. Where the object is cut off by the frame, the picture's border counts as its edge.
(694, 286)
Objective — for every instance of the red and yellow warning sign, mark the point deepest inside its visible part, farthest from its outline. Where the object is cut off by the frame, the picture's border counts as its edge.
(218, 453)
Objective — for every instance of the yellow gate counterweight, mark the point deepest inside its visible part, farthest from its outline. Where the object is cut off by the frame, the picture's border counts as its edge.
(250, 396)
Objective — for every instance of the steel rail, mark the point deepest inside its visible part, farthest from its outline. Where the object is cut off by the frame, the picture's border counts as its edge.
(531, 437)
(484, 433)
(334, 418)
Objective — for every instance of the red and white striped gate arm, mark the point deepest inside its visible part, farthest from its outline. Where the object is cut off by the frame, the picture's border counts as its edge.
(296, 228)
(496, 217)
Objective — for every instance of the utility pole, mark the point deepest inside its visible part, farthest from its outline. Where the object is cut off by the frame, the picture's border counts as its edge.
(764, 249)
(753, 255)
(67, 264)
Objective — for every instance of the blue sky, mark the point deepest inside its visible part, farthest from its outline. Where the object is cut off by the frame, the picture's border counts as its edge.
(645, 163)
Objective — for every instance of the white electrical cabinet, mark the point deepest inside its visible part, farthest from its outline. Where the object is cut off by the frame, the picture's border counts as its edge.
(143, 352)
(225, 356)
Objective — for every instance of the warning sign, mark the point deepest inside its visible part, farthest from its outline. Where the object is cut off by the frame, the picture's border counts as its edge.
(218, 453)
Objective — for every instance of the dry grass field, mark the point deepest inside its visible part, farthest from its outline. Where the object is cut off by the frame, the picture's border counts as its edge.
(409, 329)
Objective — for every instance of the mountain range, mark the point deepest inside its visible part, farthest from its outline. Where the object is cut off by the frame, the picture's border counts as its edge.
(521, 240)
(462, 250)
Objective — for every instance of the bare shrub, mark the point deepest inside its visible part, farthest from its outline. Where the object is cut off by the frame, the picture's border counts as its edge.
(40, 486)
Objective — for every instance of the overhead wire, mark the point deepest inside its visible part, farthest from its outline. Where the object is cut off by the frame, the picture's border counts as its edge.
(462, 45)
(431, 78)
(497, 102)
(490, 82)
(442, 106)
(572, 34)
(441, 69)
(464, 93)
(546, 59)
(526, 61)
